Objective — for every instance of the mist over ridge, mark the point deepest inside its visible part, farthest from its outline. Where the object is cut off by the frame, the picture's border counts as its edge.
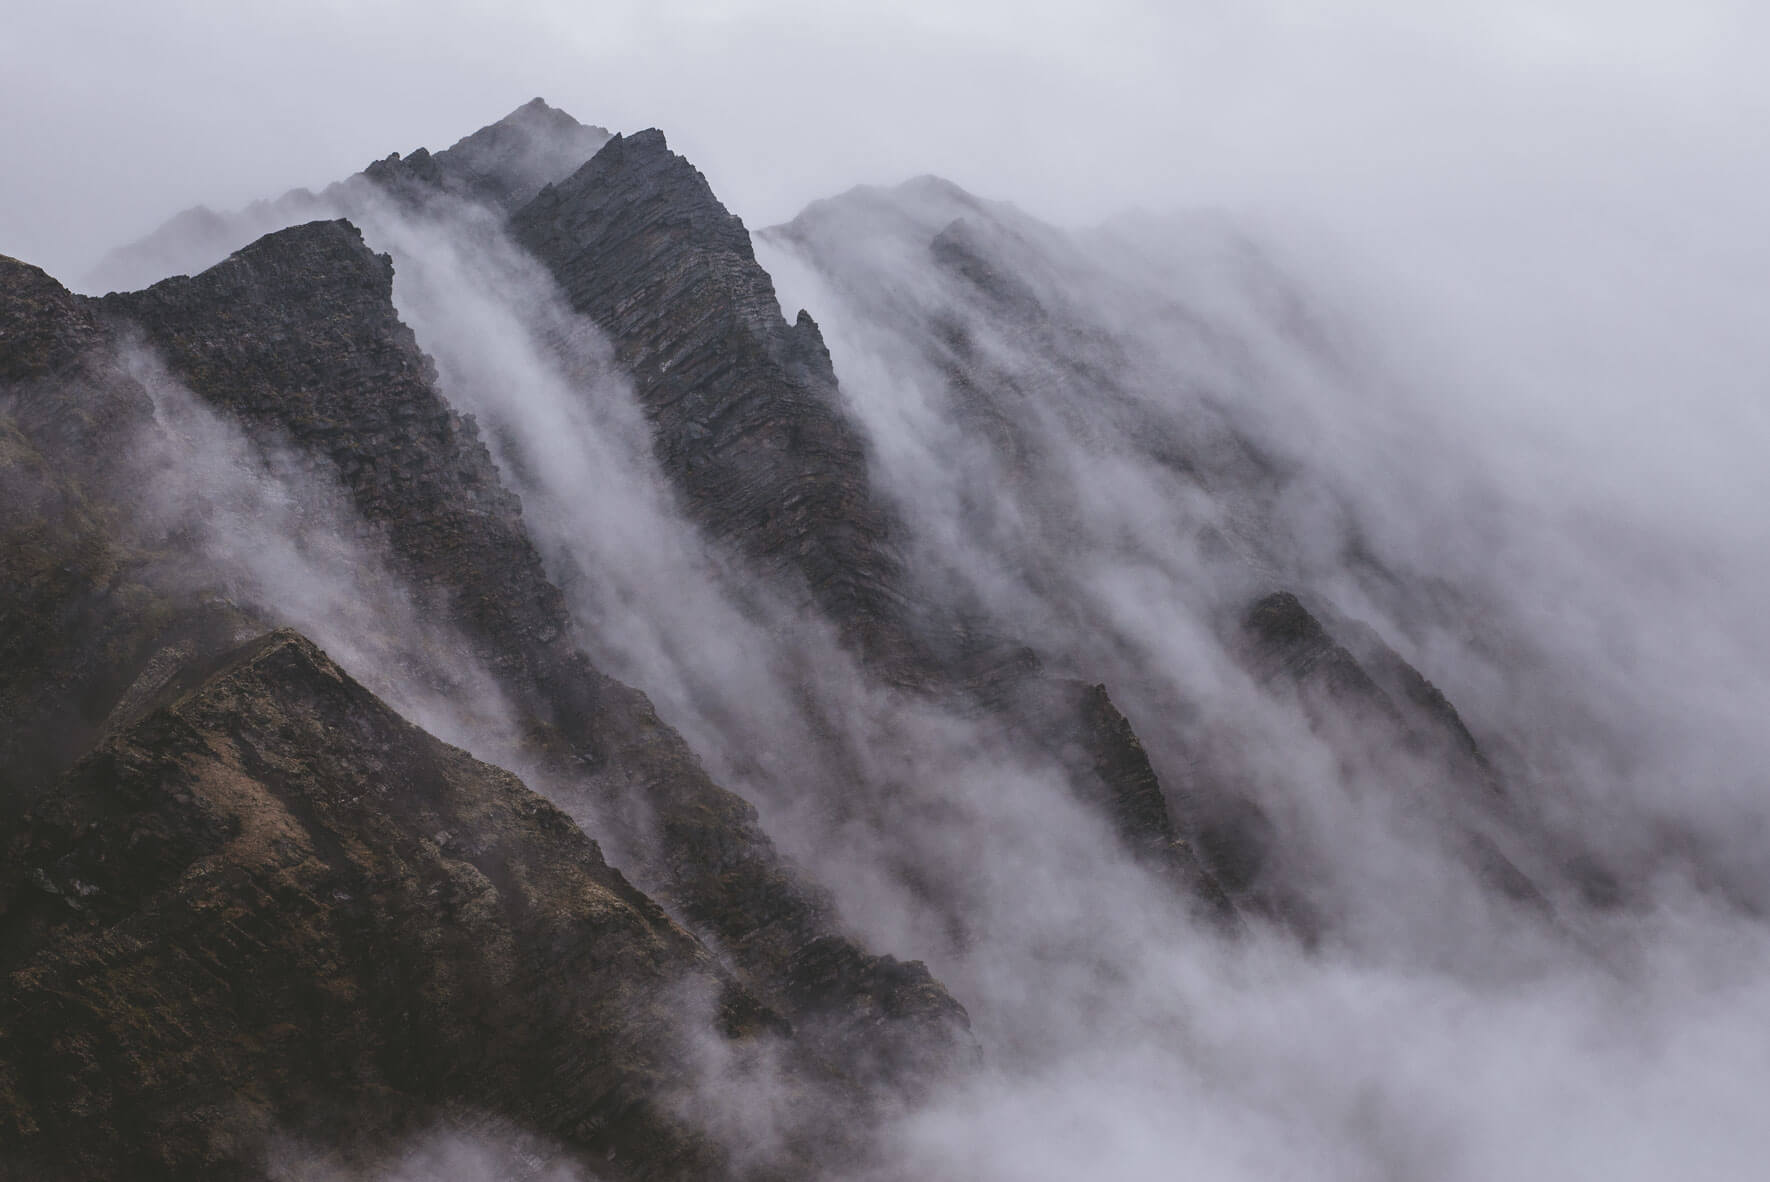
(1264, 760)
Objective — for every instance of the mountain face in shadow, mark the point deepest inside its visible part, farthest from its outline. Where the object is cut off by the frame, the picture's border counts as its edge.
(472, 666)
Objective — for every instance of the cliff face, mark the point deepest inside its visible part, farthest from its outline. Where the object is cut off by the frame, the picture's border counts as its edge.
(273, 908)
(744, 407)
(296, 337)
(751, 427)
(83, 614)
(245, 904)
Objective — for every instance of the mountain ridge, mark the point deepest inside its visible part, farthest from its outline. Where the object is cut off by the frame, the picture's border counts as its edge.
(1055, 669)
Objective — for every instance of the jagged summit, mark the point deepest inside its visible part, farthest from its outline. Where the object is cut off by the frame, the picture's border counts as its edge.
(297, 338)
(977, 605)
(753, 430)
(501, 165)
(637, 170)
(745, 413)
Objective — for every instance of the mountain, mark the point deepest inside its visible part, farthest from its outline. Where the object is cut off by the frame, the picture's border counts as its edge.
(295, 341)
(272, 906)
(297, 338)
(502, 164)
(476, 671)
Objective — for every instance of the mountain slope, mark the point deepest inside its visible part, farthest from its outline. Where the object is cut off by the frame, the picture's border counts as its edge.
(297, 338)
(751, 428)
(1113, 432)
(274, 908)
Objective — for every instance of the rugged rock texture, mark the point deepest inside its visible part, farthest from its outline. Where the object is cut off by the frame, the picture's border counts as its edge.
(82, 613)
(1291, 645)
(274, 909)
(750, 425)
(746, 416)
(297, 337)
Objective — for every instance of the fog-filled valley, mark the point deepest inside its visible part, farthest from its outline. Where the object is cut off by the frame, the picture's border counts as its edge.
(509, 672)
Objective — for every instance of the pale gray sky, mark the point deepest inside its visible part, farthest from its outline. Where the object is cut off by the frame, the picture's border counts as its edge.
(1574, 193)
(120, 112)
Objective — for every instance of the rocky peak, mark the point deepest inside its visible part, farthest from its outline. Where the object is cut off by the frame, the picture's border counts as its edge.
(502, 164)
(746, 417)
(751, 427)
(636, 183)
(318, 265)
(529, 148)
(298, 338)
(272, 907)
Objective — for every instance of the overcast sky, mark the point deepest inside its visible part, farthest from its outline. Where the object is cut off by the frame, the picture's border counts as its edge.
(121, 112)
(1580, 189)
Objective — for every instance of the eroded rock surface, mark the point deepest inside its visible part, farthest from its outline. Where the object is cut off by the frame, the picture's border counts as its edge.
(750, 425)
(273, 909)
(296, 337)
(83, 604)
(744, 407)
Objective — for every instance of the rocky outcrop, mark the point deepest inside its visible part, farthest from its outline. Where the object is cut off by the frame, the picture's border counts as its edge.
(296, 337)
(503, 164)
(749, 423)
(83, 607)
(272, 909)
(1290, 644)
(746, 417)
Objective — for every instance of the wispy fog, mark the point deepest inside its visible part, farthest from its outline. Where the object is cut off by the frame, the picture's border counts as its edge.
(1450, 322)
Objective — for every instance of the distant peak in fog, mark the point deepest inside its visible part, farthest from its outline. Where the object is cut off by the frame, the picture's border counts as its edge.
(503, 164)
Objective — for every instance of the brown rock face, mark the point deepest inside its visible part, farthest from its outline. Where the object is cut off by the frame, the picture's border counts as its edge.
(273, 908)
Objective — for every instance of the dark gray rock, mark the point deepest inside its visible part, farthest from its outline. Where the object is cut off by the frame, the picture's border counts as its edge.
(247, 918)
(747, 420)
(296, 337)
